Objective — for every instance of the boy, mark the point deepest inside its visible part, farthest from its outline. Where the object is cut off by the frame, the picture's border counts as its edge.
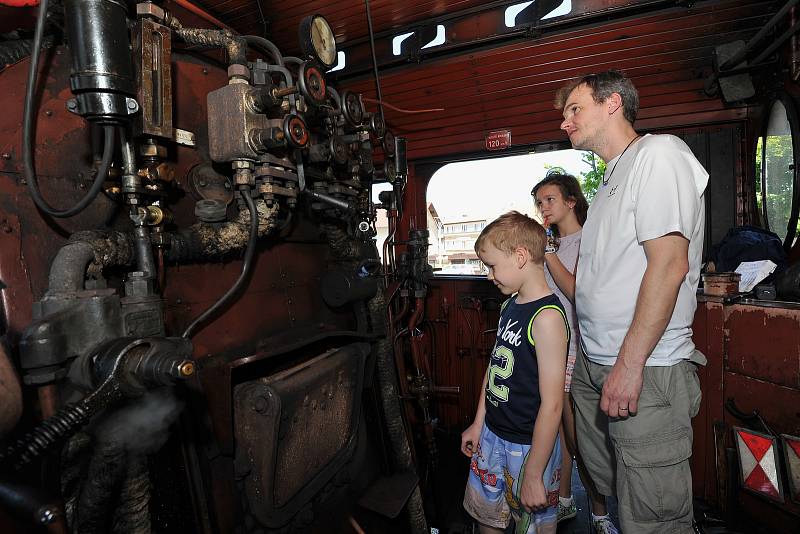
(513, 441)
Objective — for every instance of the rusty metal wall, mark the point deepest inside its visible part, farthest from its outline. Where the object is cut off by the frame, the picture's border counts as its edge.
(281, 304)
(667, 54)
(755, 374)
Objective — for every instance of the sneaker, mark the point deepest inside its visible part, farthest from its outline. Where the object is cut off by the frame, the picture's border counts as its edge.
(567, 512)
(604, 525)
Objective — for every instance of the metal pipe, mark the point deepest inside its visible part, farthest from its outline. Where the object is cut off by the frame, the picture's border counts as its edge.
(145, 262)
(404, 307)
(255, 41)
(48, 400)
(234, 45)
(10, 394)
(128, 153)
(736, 58)
(794, 72)
(374, 60)
(387, 380)
(203, 240)
(244, 276)
(329, 200)
(68, 270)
(416, 350)
(776, 43)
(288, 79)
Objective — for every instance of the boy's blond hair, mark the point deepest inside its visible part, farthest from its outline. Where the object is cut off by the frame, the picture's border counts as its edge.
(512, 230)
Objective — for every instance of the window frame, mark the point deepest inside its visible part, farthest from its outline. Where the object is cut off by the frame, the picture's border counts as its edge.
(792, 116)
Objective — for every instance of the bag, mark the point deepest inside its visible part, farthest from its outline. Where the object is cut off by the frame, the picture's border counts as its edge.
(748, 243)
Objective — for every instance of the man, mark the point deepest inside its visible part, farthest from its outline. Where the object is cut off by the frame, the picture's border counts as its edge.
(636, 389)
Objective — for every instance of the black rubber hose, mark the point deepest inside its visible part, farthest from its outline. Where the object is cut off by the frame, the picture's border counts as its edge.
(54, 429)
(65, 422)
(27, 136)
(246, 268)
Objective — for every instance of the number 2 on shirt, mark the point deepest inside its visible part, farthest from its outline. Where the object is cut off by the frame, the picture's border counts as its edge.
(504, 370)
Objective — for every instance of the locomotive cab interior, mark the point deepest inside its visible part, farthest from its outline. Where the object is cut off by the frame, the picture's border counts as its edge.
(231, 300)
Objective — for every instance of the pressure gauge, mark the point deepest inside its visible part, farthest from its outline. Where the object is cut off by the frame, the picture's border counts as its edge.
(317, 40)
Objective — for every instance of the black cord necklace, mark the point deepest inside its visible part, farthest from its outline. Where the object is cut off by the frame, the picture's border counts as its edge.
(605, 180)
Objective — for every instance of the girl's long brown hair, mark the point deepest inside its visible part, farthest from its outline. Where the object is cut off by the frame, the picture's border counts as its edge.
(570, 189)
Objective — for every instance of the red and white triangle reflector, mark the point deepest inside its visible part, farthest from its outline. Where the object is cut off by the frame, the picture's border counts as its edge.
(791, 452)
(758, 463)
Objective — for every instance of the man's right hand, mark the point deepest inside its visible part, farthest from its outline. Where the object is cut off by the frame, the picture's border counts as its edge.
(470, 440)
(621, 391)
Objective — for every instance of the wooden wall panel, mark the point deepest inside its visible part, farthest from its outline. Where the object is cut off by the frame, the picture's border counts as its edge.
(347, 17)
(667, 54)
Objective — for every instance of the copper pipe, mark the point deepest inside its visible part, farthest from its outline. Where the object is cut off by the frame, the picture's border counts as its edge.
(203, 14)
(356, 526)
(10, 394)
(416, 349)
(403, 310)
(391, 229)
(420, 307)
(48, 400)
(400, 110)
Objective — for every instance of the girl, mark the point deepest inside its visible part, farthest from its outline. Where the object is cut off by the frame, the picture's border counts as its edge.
(563, 207)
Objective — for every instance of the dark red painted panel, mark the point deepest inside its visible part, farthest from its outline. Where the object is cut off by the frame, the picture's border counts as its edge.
(464, 338)
(708, 336)
(777, 361)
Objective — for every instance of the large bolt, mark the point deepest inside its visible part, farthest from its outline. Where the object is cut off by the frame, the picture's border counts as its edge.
(186, 369)
(260, 404)
(46, 515)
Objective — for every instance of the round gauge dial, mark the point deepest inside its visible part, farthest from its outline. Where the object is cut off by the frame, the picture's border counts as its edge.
(317, 40)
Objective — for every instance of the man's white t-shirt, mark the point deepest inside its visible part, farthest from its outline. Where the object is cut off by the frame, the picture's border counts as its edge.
(656, 188)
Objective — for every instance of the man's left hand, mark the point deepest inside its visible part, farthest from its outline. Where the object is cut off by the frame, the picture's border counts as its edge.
(622, 389)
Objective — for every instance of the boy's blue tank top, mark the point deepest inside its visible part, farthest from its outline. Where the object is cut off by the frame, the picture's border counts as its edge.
(512, 391)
